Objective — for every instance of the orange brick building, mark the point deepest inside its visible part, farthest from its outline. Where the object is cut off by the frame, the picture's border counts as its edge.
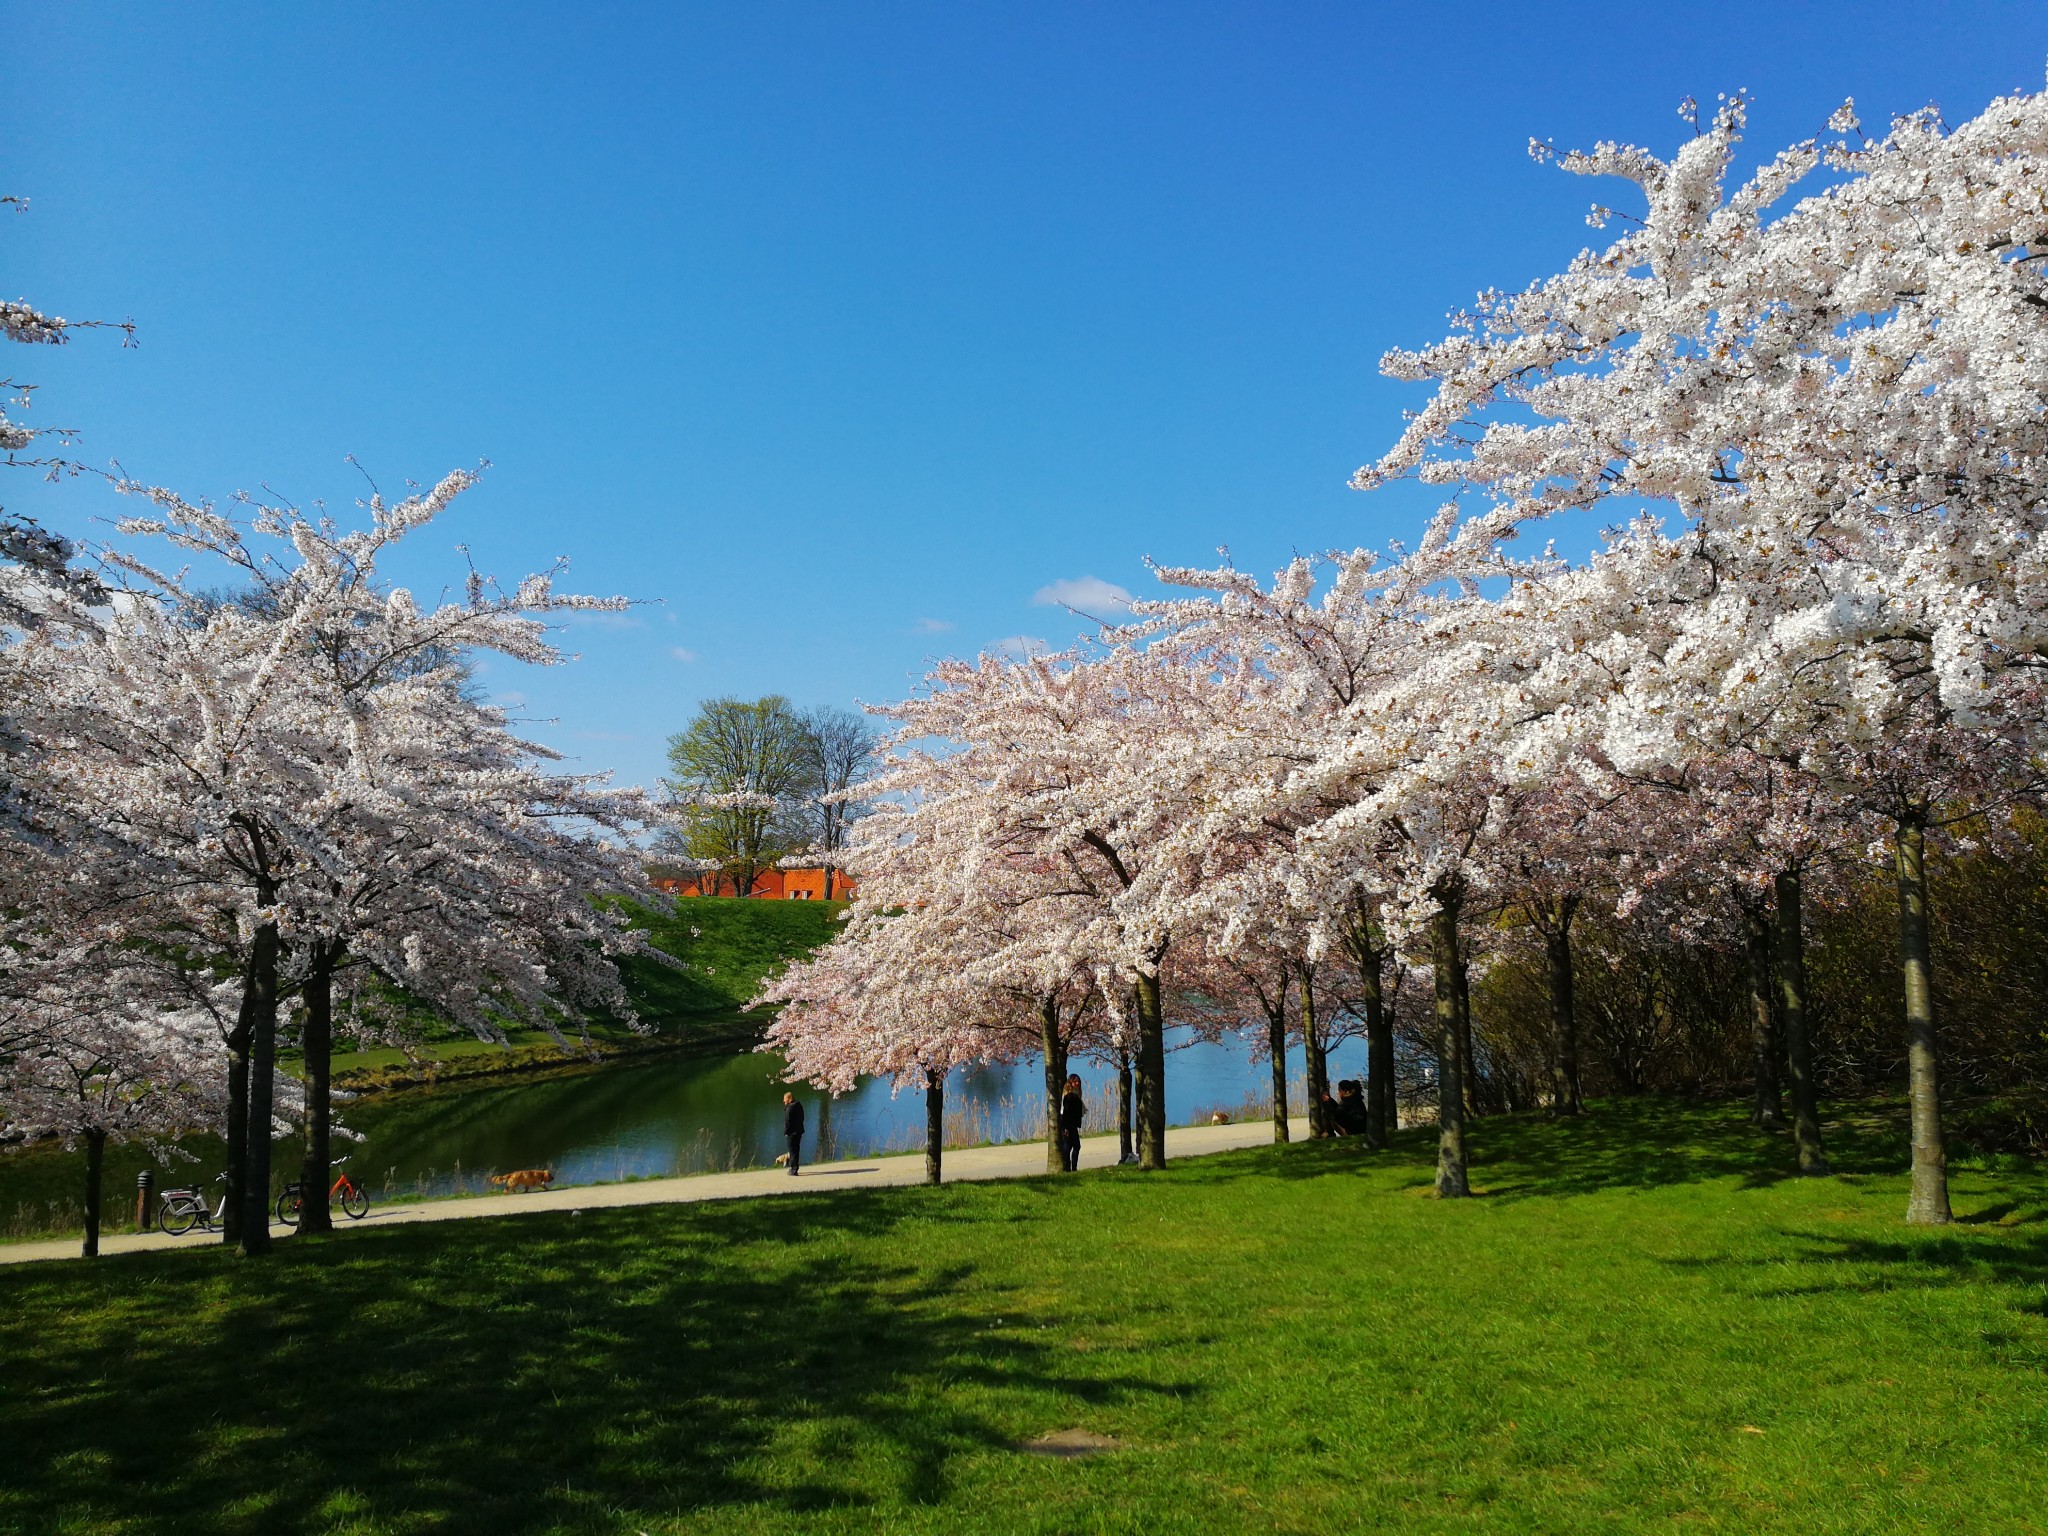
(769, 885)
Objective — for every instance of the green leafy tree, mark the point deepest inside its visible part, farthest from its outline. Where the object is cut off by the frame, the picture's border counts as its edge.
(840, 750)
(738, 774)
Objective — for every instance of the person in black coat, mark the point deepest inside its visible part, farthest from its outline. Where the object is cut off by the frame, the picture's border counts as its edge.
(1072, 1113)
(1351, 1107)
(793, 1128)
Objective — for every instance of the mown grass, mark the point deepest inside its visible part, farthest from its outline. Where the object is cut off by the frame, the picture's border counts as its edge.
(727, 948)
(1643, 1325)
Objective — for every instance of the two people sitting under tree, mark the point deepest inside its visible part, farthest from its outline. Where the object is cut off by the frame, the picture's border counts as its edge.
(1345, 1114)
(1072, 1112)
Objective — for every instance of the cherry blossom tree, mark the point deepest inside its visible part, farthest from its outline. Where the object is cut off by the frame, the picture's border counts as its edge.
(1839, 400)
(295, 781)
(107, 1062)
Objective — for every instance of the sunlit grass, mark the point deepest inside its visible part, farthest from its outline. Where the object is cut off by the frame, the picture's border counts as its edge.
(1642, 1326)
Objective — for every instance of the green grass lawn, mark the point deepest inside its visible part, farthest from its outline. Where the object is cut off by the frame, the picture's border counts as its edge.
(1642, 1326)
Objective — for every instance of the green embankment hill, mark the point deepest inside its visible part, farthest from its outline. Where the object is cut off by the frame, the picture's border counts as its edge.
(726, 946)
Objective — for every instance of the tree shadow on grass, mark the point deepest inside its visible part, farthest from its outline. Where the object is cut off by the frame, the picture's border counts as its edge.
(1633, 1143)
(1650, 1143)
(2009, 1262)
(552, 1372)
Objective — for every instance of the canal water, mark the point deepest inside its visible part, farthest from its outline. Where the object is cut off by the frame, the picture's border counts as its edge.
(652, 1117)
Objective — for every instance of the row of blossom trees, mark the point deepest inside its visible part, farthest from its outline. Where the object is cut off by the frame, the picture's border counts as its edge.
(214, 812)
(1812, 632)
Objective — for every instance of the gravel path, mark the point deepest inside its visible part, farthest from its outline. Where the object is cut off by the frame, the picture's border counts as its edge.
(1008, 1162)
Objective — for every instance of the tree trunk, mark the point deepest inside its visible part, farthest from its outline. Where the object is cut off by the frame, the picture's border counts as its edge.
(262, 1073)
(1316, 1061)
(1379, 1050)
(1055, 1052)
(1125, 1151)
(1451, 1179)
(1468, 1070)
(1928, 1204)
(1798, 1047)
(1151, 1075)
(1566, 1097)
(934, 1122)
(1276, 1048)
(95, 1164)
(318, 1046)
(1769, 1110)
(238, 1116)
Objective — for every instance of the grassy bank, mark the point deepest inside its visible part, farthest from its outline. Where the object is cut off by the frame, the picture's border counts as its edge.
(726, 948)
(1643, 1325)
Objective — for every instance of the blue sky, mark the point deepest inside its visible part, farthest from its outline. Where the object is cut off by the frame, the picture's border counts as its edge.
(838, 333)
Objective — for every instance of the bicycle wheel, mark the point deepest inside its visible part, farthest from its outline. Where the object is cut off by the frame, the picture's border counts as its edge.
(354, 1203)
(288, 1207)
(177, 1219)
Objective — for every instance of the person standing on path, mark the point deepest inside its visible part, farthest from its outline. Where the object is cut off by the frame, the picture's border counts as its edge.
(1072, 1112)
(793, 1128)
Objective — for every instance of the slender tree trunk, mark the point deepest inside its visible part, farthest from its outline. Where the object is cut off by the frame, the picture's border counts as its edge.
(1379, 1051)
(1798, 1045)
(1055, 1052)
(1151, 1075)
(1315, 1059)
(1451, 1178)
(1379, 1027)
(1276, 1048)
(318, 1047)
(238, 1116)
(262, 1074)
(95, 1165)
(1383, 1116)
(934, 1122)
(1928, 1205)
(1566, 1097)
(1468, 1069)
(821, 1149)
(1126, 1152)
(1769, 1110)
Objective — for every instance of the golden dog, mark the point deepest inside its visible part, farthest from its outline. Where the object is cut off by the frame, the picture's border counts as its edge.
(525, 1178)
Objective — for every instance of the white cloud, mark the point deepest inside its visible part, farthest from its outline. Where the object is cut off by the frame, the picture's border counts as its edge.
(599, 618)
(932, 626)
(1018, 647)
(682, 653)
(1085, 594)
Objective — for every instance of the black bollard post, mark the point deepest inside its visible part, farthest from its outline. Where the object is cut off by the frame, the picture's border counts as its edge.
(145, 1203)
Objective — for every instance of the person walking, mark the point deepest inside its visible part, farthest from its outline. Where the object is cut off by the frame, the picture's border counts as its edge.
(1072, 1113)
(793, 1128)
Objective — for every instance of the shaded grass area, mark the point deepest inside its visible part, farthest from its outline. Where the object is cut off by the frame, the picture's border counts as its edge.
(1643, 1325)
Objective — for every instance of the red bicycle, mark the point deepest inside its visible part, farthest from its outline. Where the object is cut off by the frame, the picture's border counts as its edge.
(354, 1203)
